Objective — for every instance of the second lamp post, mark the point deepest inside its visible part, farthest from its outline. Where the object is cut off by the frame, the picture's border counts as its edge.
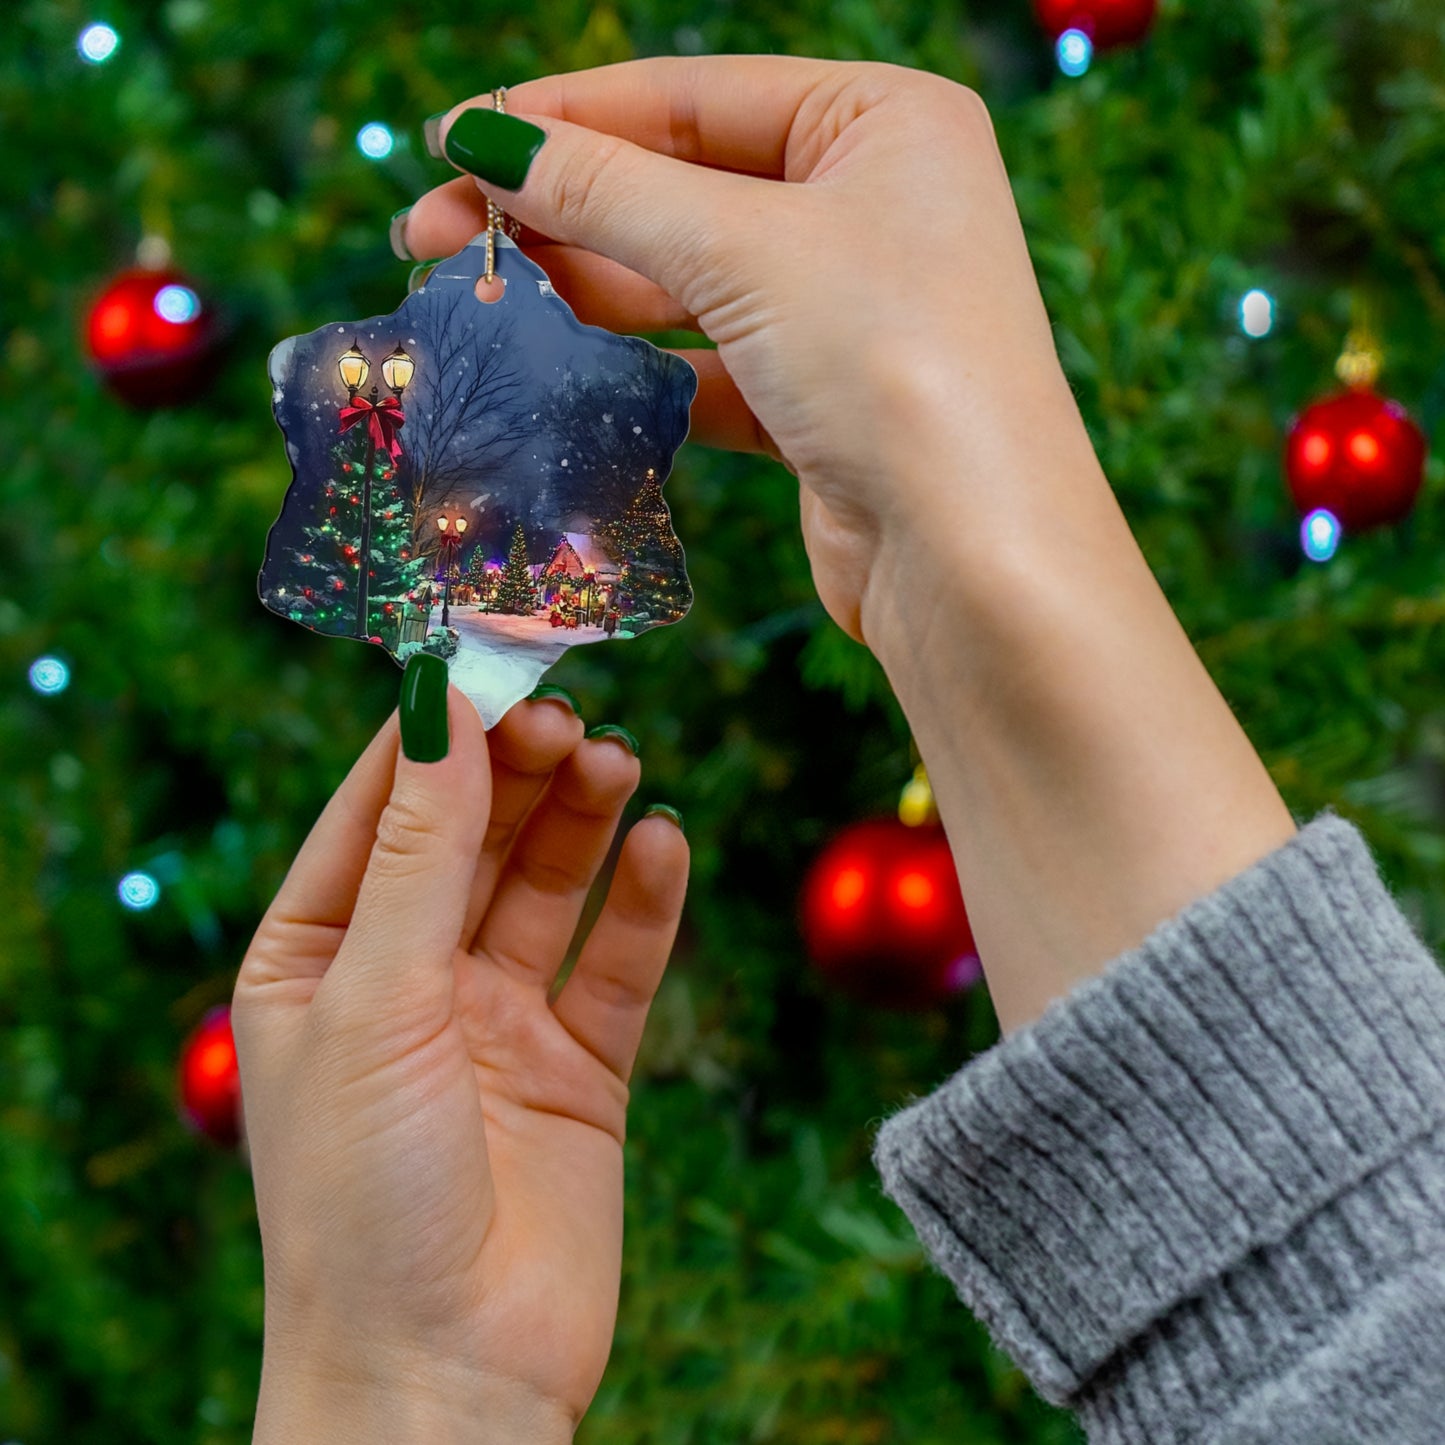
(452, 530)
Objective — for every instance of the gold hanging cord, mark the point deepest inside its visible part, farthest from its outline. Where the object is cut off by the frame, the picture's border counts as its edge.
(497, 218)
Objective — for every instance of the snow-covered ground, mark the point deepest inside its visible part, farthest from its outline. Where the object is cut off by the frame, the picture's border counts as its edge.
(501, 658)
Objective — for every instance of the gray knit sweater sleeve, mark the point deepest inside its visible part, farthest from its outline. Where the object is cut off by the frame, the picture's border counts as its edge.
(1202, 1199)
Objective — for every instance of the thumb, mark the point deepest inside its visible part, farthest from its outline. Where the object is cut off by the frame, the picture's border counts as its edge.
(666, 219)
(412, 903)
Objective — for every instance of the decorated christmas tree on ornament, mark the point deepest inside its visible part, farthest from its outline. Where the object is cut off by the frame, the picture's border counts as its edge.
(516, 592)
(326, 564)
(653, 584)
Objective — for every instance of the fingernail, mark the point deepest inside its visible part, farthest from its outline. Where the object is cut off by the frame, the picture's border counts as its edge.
(424, 736)
(418, 276)
(548, 689)
(397, 234)
(671, 814)
(611, 730)
(431, 133)
(498, 148)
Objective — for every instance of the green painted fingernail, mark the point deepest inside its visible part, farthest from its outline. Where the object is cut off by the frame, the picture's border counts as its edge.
(397, 234)
(498, 148)
(611, 730)
(424, 734)
(662, 810)
(419, 273)
(548, 689)
(431, 133)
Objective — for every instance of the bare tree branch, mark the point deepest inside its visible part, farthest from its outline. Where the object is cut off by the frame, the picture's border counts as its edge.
(469, 414)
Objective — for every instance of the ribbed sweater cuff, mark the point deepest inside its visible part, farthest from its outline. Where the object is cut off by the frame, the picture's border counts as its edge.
(1217, 1099)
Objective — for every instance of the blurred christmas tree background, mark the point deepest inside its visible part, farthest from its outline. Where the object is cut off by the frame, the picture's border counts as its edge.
(770, 1291)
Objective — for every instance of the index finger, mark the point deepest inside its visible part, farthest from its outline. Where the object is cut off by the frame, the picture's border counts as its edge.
(734, 112)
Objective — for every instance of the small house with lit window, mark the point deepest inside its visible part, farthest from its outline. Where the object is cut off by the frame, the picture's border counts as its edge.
(579, 573)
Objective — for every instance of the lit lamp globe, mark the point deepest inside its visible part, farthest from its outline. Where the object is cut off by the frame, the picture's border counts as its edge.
(397, 369)
(354, 368)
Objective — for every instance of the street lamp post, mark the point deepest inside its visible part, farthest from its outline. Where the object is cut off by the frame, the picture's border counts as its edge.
(452, 530)
(396, 370)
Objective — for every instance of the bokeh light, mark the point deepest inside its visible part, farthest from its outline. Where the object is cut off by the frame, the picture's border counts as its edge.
(49, 675)
(375, 141)
(1320, 535)
(849, 887)
(1364, 448)
(138, 891)
(97, 43)
(1075, 52)
(177, 304)
(1256, 313)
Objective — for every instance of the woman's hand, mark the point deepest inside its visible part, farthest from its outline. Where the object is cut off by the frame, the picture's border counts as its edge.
(878, 324)
(847, 236)
(437, 1150)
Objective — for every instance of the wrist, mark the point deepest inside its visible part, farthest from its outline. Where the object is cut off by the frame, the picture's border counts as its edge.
(1092, 779)
(326, 1405)
(988, 500)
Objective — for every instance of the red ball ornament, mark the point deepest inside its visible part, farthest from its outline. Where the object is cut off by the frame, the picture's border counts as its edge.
(210, 1081)
(883, 916)
(1107, 23)
(150, 335)
(1359, 456)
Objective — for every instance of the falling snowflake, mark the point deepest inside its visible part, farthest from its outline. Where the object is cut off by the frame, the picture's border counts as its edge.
(607, 417)
(637, 431)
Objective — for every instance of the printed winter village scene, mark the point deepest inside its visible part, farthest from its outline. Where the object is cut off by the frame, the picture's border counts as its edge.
(497, 468)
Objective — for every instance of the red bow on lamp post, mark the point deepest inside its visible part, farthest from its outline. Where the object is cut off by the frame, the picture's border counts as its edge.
(384, 419)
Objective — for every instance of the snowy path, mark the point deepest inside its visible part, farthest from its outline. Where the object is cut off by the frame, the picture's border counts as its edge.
(500, 658)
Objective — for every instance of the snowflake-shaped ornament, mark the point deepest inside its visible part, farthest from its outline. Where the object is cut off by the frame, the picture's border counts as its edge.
(478, 479)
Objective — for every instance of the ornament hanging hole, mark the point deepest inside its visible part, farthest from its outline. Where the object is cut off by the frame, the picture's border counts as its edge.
(490, 292)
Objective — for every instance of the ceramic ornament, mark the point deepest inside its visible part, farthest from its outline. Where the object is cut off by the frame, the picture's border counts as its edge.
(481, 479)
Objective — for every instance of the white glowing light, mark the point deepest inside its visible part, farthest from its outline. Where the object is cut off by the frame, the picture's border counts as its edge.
(49, 675)
(97, 43)
(375, 140)
(1320, 535)
(138, 891)
(1256, 313)
(1075, 51)
(177, 304)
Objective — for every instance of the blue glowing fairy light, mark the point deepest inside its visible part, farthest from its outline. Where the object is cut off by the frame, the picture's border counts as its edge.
(1256, 313)
(1320, 535)
(138, 891)
(49, 675)
(97, 43)
(375, 141)
(1075, 52)
(177, 304)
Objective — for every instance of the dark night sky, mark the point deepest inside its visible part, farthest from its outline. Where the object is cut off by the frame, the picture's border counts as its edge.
(637, 403)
